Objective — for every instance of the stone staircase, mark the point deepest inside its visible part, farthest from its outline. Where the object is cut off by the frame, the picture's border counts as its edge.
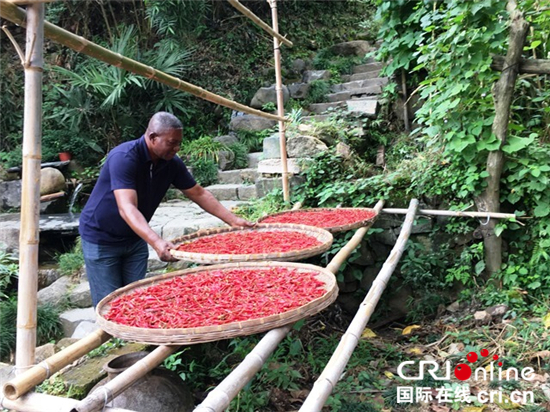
(359, 93)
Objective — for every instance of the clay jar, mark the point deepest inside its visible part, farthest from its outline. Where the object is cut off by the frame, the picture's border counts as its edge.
(160, 390)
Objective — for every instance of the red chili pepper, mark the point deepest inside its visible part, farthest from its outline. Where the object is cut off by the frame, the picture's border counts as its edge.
(322, 218)
(251, 242)
(215, 298)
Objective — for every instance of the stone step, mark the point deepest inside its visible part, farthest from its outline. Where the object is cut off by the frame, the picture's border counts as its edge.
(233, 191)
(348, 94)
(320, 108)
(317, 118)
(368, 67)
(238, 176)
(368, 107)
(359, 84)
(360, 76)
(254, 159)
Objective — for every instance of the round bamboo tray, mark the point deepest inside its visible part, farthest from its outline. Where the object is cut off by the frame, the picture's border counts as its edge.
(321, 235)
(333, 229)
(188, 336)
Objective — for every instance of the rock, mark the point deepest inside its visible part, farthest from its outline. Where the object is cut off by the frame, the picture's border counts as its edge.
(265, 185)
(83, 329)
(274, 166)
(80, 296)
(298, 66)
(298, 91)
(312, 75)
(454, 307)
(47, 276)
(272, 147)
(498, 310)
(72, 318)
(44, 352)
(225, 159)
(10, 194)
(482, 317)
(343, 150)
(367, 107)
(247, 192)
(224, 192)
(304, 146)
(268, 95)
(227, 139)
(352, 48)
(51, 181)
(251, 123)
(56, 293)
(387, 237)
(254, 159)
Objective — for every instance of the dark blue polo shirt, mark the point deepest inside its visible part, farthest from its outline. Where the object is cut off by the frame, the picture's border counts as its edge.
(129, 166)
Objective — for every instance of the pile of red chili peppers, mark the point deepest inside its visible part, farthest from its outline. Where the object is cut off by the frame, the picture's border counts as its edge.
(215, 298)
(322, 218)
(251, 242)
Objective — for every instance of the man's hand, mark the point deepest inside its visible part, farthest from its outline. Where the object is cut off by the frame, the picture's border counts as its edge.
(240, 222)
(162, 247)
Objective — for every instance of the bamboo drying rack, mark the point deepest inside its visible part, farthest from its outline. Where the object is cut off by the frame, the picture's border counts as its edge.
(332, 229)
(321, 235)
(203, 334)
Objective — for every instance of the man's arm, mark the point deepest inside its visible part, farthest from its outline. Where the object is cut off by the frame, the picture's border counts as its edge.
(210, 204)
(127, 201)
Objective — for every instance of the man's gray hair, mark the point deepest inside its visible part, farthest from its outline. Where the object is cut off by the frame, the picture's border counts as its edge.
(164, 121)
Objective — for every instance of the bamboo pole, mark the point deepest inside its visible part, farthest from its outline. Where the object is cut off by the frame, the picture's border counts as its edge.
(27, 380)
(280, 101)
(16, 15)
(349, 247)
(455, 213)
(52, 196)
(219, 398)
(40, 402)
(106, 393)
(323, 387)
(259, 22)
(30, 191)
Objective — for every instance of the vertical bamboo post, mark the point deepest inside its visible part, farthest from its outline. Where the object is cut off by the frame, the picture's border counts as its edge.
(280, 100)
(30, 191)
(323, 386)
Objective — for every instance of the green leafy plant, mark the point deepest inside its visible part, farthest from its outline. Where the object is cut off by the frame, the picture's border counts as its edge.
(205, 171)
(205, 147)
(241, 155)
(9, 270)
(318, 91)
(73, 261)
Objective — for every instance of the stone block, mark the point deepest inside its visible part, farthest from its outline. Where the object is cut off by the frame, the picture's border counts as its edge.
(274, 166)
(352, 48)
(368, 67)
(312, 75)
(251, 123)
(72, 318)
(304, 146)
(247, 192)
(265, 185)
(227, 139)
(298, 91)
(83, 329)
(225, 159)
(319, 108)
(272, 147)
(229, 177)
(224, 192)
(55, 294)
(268, 95)
(81, 296)
(362, 76)
(363, 107)
(254, 159)
(10, 194)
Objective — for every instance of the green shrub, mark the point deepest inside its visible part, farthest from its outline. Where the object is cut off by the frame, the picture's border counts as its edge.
(205, 171)
(9, 269)
(241, 159)
(48, 326)
(72, 261)
(318, 90)
(205, 147)
(253, 140)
